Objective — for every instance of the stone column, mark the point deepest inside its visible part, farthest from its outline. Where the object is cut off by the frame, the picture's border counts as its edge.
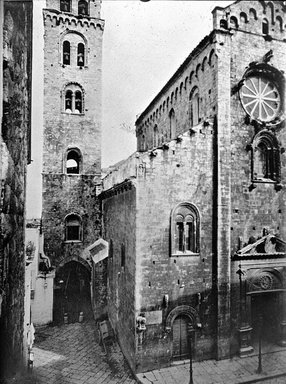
(245, 329)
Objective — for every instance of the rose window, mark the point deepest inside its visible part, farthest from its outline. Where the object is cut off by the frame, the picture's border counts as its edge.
(260, 98)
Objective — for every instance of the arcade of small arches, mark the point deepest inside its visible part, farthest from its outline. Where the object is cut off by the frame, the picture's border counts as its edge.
(235, 22)
(174, 95)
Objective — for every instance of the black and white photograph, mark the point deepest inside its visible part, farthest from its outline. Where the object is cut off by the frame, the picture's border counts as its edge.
(143, 192)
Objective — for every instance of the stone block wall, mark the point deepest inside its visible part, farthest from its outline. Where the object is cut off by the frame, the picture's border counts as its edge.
(67, 130)
(207, 164)
(15, 135)
(252, 210)
(175, 175)
(62, 195)
(77, 128)
(119, 229)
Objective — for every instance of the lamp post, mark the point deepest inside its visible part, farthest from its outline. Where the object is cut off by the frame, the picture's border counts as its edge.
(260, 323)
(191, 329)
(191, 358)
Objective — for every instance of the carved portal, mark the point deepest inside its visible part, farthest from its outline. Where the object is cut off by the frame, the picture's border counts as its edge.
(266, 297)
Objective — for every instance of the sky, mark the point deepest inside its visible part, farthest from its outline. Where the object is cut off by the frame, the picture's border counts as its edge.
(143, 45)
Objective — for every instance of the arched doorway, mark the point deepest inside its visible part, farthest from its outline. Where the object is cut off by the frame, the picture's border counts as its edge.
(72, 292)
(181, 321)
(181, 325)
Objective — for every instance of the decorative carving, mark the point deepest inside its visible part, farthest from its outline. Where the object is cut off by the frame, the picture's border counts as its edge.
(263, 280)
(268, 244)
(266, 281)
(141, 323)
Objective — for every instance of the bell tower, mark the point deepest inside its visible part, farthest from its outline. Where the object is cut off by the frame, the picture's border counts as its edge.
(71, 128)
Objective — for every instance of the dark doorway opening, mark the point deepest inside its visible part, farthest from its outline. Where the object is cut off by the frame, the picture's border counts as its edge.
(72, 293)
(265, 315)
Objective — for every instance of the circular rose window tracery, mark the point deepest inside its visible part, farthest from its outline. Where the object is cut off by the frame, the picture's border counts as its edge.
(260, 98)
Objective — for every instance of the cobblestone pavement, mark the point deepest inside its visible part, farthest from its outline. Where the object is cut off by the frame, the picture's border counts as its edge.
(71, 354)
(233, 371)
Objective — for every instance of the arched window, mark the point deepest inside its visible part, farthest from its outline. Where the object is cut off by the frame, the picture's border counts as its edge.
(66, 53)
(73, 228)
(194, 107)
(68, 101)
(80, 55)
(73, 99)
(243, 17)
(65, 5)
(172, 123)
(280, 23)
(156, 137)
(185, 229)
(252, 14)
(78, 102)
(83, 8)
(233, 22)
(143, 143)
(265, 158)
(73, 161)
(265, 27)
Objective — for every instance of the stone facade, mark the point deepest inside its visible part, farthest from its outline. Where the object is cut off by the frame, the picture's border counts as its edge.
(200, 151)
(15, 97)
(72, 131)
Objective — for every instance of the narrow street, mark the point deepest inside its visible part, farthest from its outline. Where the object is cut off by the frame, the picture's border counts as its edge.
(72, 354)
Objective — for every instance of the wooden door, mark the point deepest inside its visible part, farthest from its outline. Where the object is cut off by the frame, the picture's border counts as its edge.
(180, 337)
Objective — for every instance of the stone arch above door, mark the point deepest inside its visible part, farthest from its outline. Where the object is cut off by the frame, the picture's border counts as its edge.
(78, 259)
(182, 310)
(264, 279)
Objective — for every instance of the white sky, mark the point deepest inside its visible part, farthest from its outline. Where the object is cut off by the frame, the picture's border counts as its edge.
(143, 45)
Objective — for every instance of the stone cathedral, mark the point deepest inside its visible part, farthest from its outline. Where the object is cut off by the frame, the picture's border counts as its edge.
(196, 218)
(184, 243)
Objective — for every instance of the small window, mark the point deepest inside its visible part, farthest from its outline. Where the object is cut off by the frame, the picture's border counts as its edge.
(110, 256)
(265, 27)
(83, 8)
(73, 228)
(194, 107)
(265, 158)
(123, 256)
(172, 122)
(156, 137)
(66, 53)
(73, 99)
(73, 162)
(143, 143)
(223, 24)
(80, 55)
(68, 101)
(185, 230)
(78, 102)
(233, 22)
(65, 5)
